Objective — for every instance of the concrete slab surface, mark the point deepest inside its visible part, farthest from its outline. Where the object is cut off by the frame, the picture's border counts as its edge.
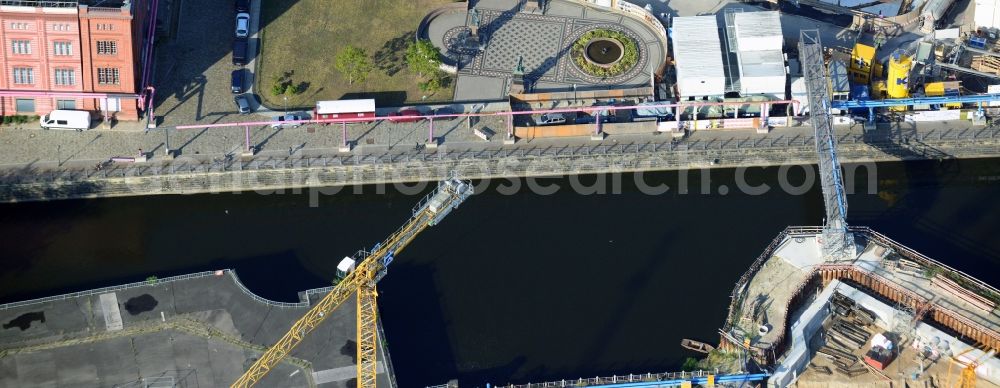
(201, 331)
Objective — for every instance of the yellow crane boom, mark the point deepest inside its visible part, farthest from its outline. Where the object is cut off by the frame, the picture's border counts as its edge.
(361, 281)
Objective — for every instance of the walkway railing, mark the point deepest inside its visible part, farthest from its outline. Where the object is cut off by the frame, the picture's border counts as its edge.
(617, 379)
(739, 152)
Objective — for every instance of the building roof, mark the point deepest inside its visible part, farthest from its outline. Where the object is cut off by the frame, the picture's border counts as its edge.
(770, 63)
(757, 31)
(698, 52)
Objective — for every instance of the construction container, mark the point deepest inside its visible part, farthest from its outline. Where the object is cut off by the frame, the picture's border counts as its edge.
(554, 131)
(986, 13)
(950, 88)
(840, 84)
(862, 59)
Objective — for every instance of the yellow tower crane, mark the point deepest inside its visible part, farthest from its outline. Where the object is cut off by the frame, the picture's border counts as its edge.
(967, 377)
(361, 281)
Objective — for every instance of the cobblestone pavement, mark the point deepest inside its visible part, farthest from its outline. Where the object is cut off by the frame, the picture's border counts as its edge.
(50, 149)
(192, 70)
(543, 41)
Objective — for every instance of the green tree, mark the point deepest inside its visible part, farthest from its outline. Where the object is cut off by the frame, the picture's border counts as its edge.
(423, 58)
(431, 86)
(290, 90)
(353, 63)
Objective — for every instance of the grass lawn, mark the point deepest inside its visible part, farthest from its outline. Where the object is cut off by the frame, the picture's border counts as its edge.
(302, 37)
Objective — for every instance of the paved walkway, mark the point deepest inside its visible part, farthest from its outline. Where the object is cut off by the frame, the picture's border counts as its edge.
(542, 40)
(51, 149)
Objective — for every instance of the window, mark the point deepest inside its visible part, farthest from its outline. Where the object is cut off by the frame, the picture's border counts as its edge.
(65, 77)
(19, 26)
(62, 48)
(20, 46)
(107, 47)
(66, 104)
(60, 27)
(24, 75)
(107, 76)
(105, 27)
(25, 105)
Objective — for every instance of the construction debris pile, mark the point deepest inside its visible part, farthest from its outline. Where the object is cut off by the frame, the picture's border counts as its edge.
(844, 335)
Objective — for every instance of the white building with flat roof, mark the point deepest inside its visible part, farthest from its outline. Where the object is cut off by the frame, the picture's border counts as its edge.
(761, 61)
(698, 57)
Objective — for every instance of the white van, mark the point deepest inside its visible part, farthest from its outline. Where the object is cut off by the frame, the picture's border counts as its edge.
(66, 119)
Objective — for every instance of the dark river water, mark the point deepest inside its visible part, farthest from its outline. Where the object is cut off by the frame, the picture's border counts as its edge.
(510, 287)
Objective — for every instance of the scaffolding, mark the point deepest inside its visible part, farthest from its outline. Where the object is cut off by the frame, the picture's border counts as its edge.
(837, 242)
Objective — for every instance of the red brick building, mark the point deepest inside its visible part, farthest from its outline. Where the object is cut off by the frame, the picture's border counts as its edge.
(73, 54)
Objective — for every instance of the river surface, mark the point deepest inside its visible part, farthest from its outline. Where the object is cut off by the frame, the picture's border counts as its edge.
(509, 288)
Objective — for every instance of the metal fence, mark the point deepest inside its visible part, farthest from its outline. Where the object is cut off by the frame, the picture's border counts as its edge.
(104, 290)
(616, 379)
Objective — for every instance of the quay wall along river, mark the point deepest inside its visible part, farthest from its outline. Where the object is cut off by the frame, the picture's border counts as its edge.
(601, 278)
(190, 176)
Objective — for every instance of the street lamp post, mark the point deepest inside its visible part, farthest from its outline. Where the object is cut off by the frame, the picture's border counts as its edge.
(286, 103)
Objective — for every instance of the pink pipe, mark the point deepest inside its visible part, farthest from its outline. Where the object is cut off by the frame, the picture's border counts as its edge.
(148, 53)
(28, 93)
(400, 118)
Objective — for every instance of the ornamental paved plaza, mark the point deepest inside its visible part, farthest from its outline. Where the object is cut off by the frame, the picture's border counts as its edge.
(508, 32)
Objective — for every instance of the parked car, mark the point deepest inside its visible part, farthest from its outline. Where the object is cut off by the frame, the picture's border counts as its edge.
(395, 116)
(237, 81)
(242, 103)
(444, 111)
(242, 5)
(240, 52)
(242, 25)
(283, 121)
(553, 118)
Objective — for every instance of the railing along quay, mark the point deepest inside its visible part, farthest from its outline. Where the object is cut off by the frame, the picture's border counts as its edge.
(229, 173)
(617, 379)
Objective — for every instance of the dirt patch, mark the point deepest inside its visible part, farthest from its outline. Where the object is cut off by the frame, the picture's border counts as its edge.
(141, 304)
(24, 321)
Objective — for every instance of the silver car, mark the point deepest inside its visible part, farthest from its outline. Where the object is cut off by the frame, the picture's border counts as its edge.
(283, 121)
(552, 118)
(242, 103)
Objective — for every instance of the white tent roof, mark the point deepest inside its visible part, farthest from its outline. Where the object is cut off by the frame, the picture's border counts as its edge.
(758, 31)
(770, 63)
(698, 53)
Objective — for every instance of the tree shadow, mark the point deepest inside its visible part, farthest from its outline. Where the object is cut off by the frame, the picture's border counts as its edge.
(390, 58)
(387, 98)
